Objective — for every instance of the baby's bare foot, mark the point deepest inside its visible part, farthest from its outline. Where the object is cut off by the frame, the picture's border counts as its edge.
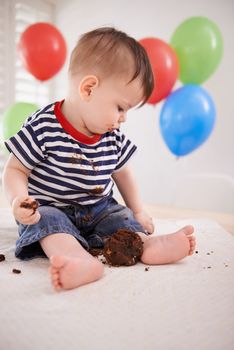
(169, 248)
(71, 272)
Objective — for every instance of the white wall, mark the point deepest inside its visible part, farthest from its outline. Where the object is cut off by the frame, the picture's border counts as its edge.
(203, 179)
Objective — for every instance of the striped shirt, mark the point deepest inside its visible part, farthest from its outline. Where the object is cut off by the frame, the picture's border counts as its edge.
(68, 167)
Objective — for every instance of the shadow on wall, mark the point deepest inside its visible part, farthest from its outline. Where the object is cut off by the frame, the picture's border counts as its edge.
(206, 192)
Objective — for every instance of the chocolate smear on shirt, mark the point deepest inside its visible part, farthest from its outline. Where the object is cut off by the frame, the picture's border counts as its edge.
(97, 190)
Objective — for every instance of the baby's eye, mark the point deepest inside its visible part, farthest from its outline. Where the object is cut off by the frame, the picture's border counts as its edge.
(120, 109)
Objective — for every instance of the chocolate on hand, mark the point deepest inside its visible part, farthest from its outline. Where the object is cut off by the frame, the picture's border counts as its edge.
(30, 204)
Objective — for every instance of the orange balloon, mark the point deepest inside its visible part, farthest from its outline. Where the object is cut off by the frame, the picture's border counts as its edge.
(42, 50)
(165, 67)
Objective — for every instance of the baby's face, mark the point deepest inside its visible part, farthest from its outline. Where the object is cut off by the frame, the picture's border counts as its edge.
(109, 104)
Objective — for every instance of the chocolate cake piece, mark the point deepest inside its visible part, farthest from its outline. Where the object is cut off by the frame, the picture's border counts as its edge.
(95, 251)
(29, 204)
(2, 257)
(123, 248)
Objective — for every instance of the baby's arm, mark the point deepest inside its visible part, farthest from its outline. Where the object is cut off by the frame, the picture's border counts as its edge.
(127, 186)
(15, 185)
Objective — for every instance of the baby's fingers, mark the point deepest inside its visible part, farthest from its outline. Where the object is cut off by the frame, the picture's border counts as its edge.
(150, 227)
(35, 218)
(31, 220)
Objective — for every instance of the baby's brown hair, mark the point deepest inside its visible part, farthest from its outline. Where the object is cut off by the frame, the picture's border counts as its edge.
(107, 51)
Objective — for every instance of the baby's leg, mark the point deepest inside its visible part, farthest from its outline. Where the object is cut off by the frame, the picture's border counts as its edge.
(71, 265)
(168, 248)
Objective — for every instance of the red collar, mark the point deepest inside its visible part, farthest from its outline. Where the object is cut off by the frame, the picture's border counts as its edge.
(89, 140)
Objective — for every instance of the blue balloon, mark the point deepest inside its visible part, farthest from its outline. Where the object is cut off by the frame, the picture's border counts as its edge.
(187, 119)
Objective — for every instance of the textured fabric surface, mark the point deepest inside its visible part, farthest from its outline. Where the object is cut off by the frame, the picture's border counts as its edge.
(188, 305)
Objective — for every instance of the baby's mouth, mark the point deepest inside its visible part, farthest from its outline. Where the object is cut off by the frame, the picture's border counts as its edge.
(113, 127)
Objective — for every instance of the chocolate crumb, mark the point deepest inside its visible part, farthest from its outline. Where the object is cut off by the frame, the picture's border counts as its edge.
(92, 165)
(95, 251)
(207, 253)
(2, 257)
(147, 269)
(209, 267)
(196, 251)
(16, 271)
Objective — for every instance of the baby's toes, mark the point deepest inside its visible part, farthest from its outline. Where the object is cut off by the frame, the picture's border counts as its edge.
(52, 270)
(192, 242)
(54, 277)
(55, 280)
(57, 285)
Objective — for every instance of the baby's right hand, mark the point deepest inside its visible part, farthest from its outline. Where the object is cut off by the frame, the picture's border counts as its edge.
(24, 210)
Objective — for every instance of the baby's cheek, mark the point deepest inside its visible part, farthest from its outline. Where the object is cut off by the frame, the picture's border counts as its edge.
(110, 126)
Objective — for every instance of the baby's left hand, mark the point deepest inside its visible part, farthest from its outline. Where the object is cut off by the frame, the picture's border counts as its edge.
(145, 220)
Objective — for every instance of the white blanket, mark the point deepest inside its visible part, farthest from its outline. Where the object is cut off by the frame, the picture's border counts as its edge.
(188, 305)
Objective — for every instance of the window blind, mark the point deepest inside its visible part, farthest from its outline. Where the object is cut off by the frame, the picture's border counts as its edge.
(16, 84)
(27, 88)
(3, 56)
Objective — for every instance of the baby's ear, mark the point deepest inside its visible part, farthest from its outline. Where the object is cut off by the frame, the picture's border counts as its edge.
(87, 85)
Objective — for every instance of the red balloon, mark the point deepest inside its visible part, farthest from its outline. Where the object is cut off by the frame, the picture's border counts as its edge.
(43, 50)
(165, 67)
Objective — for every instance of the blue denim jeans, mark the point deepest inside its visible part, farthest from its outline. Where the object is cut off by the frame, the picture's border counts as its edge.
(89, 224)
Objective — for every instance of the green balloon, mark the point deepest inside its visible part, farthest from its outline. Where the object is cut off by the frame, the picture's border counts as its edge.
(2, 147)
(15, 116)
(199, 47)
